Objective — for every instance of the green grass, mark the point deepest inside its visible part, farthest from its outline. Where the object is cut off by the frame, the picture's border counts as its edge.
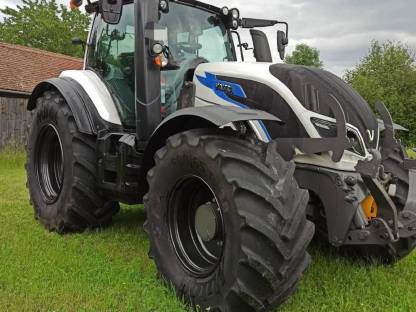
(412, 153)
(109, 270)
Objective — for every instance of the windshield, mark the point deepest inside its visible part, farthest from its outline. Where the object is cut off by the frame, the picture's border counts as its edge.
(193, 36)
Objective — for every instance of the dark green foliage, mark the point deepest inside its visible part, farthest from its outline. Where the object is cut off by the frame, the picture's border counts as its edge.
(304, 55)
(388, 73)
(45, 25)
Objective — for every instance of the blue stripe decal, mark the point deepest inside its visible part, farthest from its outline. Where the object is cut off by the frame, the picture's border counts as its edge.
(211, 82)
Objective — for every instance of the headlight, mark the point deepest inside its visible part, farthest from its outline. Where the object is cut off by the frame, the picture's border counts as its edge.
(225, 11)
(328, 129)
(164, 6)
(235, 24)
(235, 13)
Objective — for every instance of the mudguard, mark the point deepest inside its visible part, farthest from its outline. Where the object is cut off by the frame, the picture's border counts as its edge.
(85, 114)
(202, 117)
(220, 115)
(212, 116)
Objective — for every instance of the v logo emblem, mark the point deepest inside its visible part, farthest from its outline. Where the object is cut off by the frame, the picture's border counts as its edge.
(371, 135)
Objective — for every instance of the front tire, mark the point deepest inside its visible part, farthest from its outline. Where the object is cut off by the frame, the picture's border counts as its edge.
(227, 222)
(61, 170)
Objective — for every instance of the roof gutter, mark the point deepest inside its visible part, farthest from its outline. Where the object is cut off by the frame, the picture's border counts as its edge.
(14, 94)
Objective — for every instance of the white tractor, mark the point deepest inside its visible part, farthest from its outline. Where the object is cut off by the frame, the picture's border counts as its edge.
(236, 163)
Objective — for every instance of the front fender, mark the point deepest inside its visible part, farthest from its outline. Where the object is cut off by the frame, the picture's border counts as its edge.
(212, 116)
(219, 115)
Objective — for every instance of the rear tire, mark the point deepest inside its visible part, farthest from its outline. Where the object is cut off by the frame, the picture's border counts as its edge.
(251, 207)
(61, 171)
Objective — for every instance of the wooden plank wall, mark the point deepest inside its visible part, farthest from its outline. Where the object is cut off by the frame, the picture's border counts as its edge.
(14, 122)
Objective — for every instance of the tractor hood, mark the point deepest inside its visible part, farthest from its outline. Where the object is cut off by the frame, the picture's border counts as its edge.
(295, 94)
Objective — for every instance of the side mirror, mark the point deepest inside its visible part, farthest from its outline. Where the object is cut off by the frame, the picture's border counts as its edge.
(262, 51)
(111, 11)
(282, 42)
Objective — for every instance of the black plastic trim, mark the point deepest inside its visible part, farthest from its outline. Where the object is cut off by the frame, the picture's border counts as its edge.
(86, 115)
(147, 74)
(14, 94)
(212, 116)
(262, 51)
(340, 197)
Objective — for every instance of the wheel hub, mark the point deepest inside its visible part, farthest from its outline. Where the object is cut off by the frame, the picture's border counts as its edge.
(206, 221)
(196, 226)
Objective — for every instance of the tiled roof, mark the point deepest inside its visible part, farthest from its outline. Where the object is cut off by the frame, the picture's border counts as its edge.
(22, 68)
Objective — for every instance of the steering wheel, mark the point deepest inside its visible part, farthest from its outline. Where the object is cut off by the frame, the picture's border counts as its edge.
(188, 47)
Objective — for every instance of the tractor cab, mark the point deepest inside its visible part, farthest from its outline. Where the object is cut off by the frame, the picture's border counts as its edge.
(184, 35)
(190, 34)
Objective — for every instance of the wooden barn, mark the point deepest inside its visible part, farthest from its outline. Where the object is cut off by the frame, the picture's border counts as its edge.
(21, 69)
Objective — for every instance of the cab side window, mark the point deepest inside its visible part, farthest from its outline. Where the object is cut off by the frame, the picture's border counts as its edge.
(111, 56)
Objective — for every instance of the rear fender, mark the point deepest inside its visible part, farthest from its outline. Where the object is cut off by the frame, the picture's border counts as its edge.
(85, 114)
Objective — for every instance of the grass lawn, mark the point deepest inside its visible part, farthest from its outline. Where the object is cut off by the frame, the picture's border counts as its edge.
(412, 154)
(109, 270)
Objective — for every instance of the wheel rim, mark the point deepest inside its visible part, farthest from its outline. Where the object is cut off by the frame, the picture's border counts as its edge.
(49, 163)
(196, 226)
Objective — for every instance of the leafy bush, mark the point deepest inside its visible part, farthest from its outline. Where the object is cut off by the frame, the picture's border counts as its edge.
(305, 55)
(45, 25)
(388, 73)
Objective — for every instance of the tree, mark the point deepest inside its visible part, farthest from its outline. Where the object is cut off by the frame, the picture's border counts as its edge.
(388, 73)
(304, 55)
(45, 25)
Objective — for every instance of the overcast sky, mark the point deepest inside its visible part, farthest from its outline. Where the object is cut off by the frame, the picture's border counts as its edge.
(341, 29)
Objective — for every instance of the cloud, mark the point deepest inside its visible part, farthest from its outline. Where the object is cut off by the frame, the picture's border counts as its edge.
(341, 29)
